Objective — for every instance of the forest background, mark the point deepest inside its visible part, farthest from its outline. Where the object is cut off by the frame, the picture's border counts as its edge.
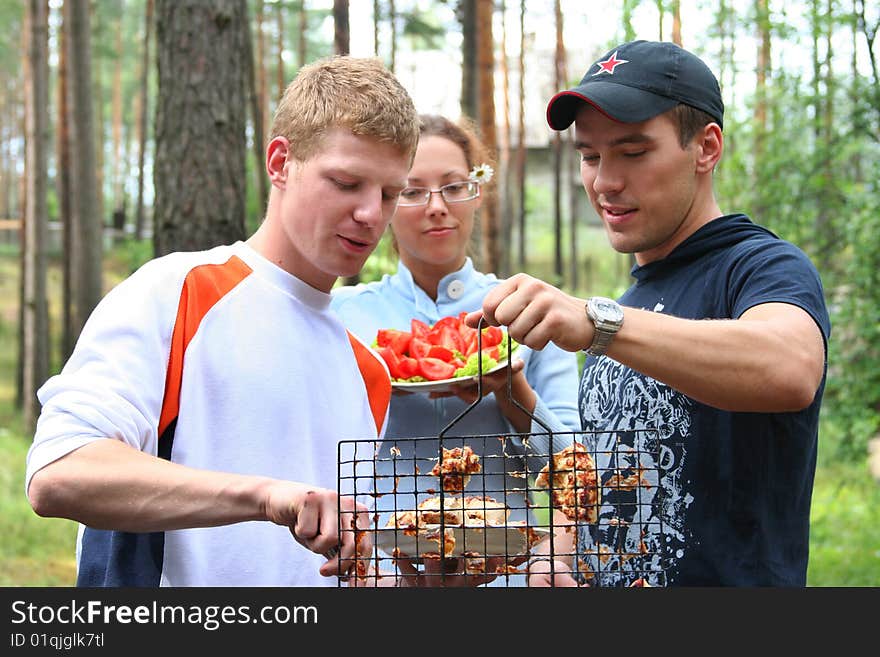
(131, 128)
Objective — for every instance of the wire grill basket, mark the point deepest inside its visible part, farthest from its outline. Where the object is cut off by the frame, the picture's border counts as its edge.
(600, 497)
(473, 510)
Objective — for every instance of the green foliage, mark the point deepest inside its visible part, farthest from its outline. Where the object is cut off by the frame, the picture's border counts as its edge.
(815, 184)
(844, 524)
(811, 183)
(130, 254)
(254, 212)
(602, 270)
(8, 338)
(382, 261)
(423, 29)
(34, 551)
(853, 390)
(12, 20)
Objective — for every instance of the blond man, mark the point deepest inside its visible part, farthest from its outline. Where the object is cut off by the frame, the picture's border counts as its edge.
(194, 428)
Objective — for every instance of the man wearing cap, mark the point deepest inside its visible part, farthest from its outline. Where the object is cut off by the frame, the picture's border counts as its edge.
(707, 374)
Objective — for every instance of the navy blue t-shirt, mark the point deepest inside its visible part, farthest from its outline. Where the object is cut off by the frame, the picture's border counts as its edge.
(730, 500)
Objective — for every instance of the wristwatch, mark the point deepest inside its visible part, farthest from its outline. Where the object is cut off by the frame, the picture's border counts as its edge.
(607, 317)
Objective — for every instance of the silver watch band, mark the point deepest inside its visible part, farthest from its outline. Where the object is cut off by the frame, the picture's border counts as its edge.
(606, 315)
(601, 341)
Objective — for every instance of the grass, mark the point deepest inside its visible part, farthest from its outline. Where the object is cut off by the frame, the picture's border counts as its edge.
(845, 525)
(34, 551)
(845, 531)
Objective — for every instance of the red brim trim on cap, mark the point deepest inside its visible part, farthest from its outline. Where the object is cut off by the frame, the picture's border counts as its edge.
(558, 125)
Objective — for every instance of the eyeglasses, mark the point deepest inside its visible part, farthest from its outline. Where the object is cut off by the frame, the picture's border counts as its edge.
(451, 193)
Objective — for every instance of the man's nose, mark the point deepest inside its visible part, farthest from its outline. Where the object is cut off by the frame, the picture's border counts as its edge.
(369, 209)
(608, 179)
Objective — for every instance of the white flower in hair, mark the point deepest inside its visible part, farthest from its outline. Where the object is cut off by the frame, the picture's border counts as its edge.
(482, 173)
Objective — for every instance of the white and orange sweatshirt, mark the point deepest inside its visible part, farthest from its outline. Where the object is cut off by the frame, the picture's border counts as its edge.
(222, 361)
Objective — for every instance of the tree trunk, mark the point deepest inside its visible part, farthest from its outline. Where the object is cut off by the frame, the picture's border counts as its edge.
(261, 179)
(341, 46)
(676, 22)
(98, 113)
(574, 203)
(467, 14)
(629, 32)
(825, 229)
(721, 29)
(566, 178)
(392, 18)
(870, 33)
(857, 118)
(726, 26)
(491, 256)
(35, 347)
(504, 177)
(377, 18)
(5, 158)
(86, 252)
(660, 13)
(521, 139)
(65, 194)
(280, 75)
(118, 166)
(762, 75)
(142, 119)
(303, 43)
(559, 81)
(341, 34)
(22, 205)
(262, 95)
(200, 124)
(762, 71)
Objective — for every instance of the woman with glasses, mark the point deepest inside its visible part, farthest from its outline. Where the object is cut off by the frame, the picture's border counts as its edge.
(435, 278)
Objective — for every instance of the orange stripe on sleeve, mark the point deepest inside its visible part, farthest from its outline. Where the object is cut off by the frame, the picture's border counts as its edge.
(204, 286)
(376, 380)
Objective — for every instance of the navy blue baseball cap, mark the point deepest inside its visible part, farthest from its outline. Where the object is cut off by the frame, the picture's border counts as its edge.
(638, 80)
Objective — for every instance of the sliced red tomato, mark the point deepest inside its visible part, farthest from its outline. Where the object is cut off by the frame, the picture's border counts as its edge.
(419, 348)
(466, 332)
(441, 352)
(408, 367)
(492, 335)
(470, 345)
(396, 339)
(441, 341)
(435, 369)
(435, 335)
(451, 339)
(446, 336)
(492, 352)
(419, 329)
(392, 360)
(450, 321)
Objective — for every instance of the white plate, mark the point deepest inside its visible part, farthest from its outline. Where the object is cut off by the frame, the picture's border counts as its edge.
(446, 385)
(506, 540)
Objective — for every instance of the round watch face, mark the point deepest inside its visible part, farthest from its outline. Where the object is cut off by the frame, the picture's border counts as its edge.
(606, 310)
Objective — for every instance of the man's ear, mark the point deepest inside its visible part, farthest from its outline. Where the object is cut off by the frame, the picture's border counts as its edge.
(711, 145)
(277, 154)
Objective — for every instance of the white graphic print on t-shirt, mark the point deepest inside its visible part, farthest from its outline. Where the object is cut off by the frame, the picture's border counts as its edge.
(640, 529)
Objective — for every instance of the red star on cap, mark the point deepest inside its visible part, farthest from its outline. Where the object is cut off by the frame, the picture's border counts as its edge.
(610, 64)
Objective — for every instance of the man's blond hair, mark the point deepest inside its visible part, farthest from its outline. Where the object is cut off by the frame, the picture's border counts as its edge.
(359, 94)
